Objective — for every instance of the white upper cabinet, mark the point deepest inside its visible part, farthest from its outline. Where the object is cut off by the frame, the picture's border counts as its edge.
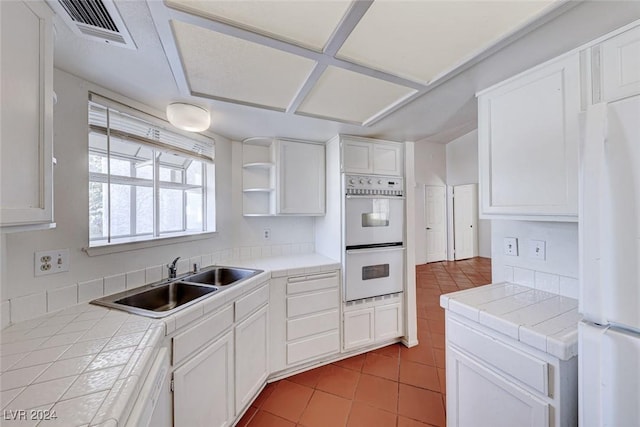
(616, 67)
(26, 140)
(369, 156)
(528, 137)
(301, 178)
(283, 177)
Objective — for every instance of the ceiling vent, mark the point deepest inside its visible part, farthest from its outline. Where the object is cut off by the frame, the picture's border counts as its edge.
(97, 20)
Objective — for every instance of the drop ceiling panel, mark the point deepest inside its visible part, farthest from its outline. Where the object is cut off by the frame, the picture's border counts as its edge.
(420, 40)
(228, 68)
(306, 23)
(351, 97)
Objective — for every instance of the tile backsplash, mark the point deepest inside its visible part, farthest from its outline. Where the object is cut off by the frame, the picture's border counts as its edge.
(554, 283)
(30, 306)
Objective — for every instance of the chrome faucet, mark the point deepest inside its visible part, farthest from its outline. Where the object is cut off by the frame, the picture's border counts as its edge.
(173, 270)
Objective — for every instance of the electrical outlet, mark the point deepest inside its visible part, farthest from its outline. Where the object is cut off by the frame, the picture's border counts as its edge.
(266, 234)
(537, 249)
(50, 262)
(511, 246)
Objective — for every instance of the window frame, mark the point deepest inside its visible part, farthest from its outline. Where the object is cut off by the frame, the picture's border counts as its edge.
(133, 240)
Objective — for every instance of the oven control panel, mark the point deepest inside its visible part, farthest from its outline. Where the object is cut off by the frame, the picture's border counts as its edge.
(371, 185)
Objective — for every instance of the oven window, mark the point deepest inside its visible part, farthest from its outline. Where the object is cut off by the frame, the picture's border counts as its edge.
(379, 217)
(375, 271)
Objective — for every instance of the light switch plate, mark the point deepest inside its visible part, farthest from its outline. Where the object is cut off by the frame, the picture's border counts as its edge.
(511, 246)
(537, 249)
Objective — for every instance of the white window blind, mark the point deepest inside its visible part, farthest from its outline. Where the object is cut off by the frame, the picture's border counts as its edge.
(130, 124)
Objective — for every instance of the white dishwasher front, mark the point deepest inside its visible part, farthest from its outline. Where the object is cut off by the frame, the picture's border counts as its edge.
(153, 405)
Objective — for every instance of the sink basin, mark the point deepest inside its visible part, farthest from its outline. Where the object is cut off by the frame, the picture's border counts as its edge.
(157, 300)
(221, 276)
(167, 297)
(164, 298)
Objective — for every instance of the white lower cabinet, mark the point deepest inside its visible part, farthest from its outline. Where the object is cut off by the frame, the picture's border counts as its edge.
(358, 328)
(477, 395)
(494, 380)
(203, 388)
(252, 356)
(305, 319)
(375, 322)
(221, 361)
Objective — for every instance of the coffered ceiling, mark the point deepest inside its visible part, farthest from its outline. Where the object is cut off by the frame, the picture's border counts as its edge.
(352, 62)
(309, 69)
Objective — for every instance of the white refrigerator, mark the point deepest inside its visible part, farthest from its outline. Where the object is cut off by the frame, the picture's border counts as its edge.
(609, 334)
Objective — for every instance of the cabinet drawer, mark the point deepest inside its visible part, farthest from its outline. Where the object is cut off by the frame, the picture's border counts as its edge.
(311, 325)
(249, 303)
(187, 342)
(296, 285)
(528, 369)
(313, 347)
(312, 303)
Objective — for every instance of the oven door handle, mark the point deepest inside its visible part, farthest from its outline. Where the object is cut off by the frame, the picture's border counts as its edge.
(373, 196)
(371, 250)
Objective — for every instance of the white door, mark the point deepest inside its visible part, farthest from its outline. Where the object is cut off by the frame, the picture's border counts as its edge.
(203, 387)
(465, 220)
(435, 214)
(610, 221)
(609, 376)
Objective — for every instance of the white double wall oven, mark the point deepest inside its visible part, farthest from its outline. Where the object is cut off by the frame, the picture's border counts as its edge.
(374, 236)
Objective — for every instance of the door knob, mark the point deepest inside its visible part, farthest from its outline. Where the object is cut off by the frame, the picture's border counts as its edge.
(428, 228)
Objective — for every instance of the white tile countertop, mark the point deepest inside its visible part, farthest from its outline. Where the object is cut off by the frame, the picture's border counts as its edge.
(86, 364)
(292, 265)
(543, 320)
(77, 365)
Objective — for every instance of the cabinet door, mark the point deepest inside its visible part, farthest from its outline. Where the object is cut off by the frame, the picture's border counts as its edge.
(203, 387)
(478, 396)
(358, 328)
(528, 135)
(619, 66)
(387, 159)
(388, 321)
(301, 178)
(357, 157)
(252, 356)
(26, 135)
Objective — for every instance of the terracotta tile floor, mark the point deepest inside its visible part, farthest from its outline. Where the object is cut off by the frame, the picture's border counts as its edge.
(392, 386)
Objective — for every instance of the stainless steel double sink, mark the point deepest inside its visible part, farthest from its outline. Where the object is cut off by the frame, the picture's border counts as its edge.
(168, 296)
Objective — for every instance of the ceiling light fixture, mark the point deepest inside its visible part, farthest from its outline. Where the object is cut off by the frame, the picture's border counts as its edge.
(188, 117)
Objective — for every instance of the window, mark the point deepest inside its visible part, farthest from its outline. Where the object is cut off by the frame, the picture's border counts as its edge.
(146, 181)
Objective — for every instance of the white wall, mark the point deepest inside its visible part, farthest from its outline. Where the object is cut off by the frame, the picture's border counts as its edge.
(462, 168)
(558, 273)
(430, 169)
(236, 236)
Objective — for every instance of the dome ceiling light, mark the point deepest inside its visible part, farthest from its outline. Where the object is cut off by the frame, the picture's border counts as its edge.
(188, 117)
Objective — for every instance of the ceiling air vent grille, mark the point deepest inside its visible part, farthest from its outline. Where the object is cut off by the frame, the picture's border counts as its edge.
(91, 12)
(97, 20)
